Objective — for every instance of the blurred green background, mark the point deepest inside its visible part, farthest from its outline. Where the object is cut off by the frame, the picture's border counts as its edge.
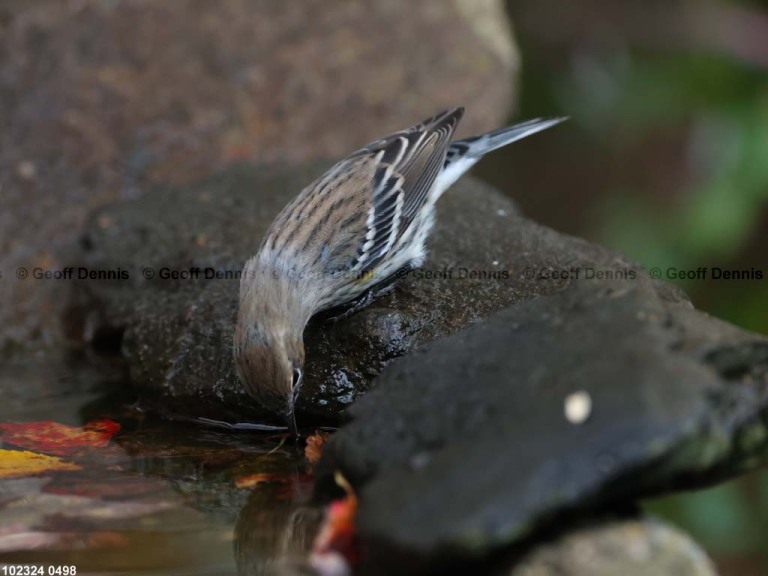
(665, 159)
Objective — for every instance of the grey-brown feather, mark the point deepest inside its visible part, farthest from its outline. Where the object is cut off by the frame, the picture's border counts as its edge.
(355, 219)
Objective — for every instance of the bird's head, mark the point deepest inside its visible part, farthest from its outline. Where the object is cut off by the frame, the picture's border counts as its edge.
(270, 364)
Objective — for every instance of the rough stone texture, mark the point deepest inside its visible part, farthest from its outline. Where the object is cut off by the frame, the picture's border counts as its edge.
(177, 334)
(642, 547)
(465, 447)
(99, 98)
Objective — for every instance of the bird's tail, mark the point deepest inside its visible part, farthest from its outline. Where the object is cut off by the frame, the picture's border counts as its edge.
(480, 145)
(463, 154)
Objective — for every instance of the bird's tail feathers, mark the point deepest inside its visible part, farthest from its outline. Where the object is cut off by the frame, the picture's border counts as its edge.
(485, 143)
(463, 154)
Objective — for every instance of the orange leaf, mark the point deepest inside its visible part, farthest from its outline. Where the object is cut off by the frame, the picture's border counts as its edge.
(251, 480)
(58, 439)
(15, 463)
(314, 448)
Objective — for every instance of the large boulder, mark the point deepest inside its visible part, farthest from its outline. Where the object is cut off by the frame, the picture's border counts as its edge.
(579, 400)
(177, 333)
(98, 100)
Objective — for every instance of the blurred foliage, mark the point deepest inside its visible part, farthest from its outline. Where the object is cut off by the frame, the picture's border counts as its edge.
(729, 520)
(723, 109)
(668, 159)
(624, 96)
(726, 113)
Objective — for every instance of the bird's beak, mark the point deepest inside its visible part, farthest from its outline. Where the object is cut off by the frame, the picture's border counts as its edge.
(290, 420)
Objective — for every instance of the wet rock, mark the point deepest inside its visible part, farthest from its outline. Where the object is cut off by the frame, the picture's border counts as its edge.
(582, 399)
(177, 333)
(99, 99)
(630, 547)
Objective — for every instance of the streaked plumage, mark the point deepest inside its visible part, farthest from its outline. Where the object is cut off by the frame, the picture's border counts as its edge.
(343, 236)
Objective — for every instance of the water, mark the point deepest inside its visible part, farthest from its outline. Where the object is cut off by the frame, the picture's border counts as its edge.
(160, 498)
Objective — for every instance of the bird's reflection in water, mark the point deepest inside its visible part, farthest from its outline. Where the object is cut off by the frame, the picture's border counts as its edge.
(275, 531)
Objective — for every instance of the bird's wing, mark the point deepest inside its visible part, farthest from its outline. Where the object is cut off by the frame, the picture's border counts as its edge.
(408, 163)
(349, 219)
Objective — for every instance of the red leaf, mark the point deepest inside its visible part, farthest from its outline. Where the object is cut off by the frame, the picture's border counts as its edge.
(338, 533)
(58, 439)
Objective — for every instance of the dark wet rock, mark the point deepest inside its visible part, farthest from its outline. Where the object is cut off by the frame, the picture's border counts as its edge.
(640, 547)
(487, 436)
(178, 333)
(98, 99)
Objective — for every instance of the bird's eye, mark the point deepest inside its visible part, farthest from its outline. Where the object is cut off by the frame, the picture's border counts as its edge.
(296, 377)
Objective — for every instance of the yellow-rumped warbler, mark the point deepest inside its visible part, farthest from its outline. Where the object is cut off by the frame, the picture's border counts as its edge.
(343, 240)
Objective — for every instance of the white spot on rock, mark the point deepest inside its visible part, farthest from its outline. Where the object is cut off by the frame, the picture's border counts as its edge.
(578, 407)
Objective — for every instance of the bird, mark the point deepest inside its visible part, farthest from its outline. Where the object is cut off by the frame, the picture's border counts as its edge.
(346, 238)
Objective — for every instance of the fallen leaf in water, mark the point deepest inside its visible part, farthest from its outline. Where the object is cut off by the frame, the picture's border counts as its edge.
(58, 439)
(114, 487)
(251, 480)
(338, 534)
(21, 539)
(105, 427)
(15, 463)
(281, 487)
(97, 511)
(314, 448)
